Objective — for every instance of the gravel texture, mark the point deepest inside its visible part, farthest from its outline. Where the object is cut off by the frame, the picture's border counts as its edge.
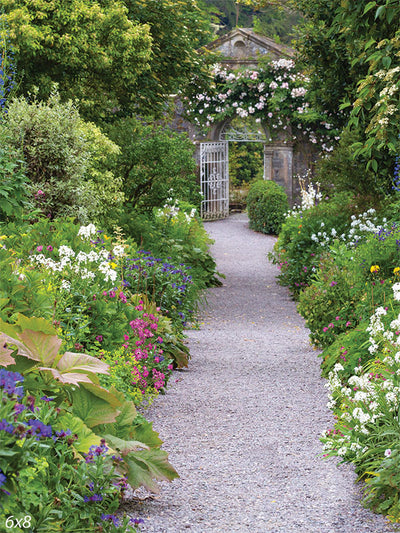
(242, 424)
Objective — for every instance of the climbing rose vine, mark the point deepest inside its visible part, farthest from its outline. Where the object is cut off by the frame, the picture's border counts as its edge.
(275, 95)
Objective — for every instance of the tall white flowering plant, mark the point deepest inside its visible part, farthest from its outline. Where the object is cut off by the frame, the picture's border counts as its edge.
(367, 406)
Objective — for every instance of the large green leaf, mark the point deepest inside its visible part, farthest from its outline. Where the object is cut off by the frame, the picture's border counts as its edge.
(5, 352)
(146, 466)
(129, 427)
(17, 346)
(72, 378)
(35, 324)
(80, 362)
(144, 432)
(92, 409)
(9, 329)
(109, 396)
(42, 347)
(86, 437)
(125, 446)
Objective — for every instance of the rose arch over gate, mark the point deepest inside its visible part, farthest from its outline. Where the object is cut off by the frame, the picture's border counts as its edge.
(257, 95)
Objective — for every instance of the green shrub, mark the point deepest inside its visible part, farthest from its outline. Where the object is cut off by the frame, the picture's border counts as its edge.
(13, 181)
(176, 232)
(343, 172)
(305, 236)
(267, 204)
(155, 163)
(67, 160)
(328, 304)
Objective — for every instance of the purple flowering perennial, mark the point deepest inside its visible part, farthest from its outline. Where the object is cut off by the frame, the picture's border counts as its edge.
(8, 382)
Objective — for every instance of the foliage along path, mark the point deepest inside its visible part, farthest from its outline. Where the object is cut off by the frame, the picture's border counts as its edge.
(242, 424)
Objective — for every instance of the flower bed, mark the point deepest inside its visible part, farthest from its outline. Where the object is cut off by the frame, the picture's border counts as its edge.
(90, 328)
(348, 287)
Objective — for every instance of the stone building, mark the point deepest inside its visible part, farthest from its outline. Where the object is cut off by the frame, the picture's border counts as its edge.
(243, 48)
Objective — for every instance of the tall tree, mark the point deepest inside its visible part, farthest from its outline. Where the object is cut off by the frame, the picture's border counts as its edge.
(92, 50)
(177, 28)
(114, 56)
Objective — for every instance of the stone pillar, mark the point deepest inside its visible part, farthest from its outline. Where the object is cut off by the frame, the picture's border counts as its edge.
(268, 158)
(282, 168)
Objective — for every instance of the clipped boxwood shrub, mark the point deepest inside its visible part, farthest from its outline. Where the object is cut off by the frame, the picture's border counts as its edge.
(267, 204)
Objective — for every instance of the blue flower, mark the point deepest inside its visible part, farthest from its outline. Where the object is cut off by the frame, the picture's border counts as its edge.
(39, 429)
(8, 382)
(110, 517)
(5, 426)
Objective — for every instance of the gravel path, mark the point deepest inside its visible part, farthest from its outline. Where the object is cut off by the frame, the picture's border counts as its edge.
(242, 424)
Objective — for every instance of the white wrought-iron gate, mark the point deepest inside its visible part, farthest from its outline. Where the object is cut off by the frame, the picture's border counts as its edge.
(214, 179)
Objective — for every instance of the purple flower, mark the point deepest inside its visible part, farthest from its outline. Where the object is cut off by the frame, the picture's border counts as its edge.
(110, 517)
(5, 426)
(99, 338)
(96, 451)
(8, 382)
(39, 429)
(47, 399)
(136, 521)
(18, 408)
(2, 478)
(63, 434)
(94, 498)
(333, 283)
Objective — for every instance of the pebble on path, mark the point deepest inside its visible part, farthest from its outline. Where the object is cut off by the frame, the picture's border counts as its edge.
(242, 424)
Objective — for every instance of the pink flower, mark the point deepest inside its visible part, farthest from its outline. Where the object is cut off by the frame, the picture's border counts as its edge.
(348, 324)
(337, 318)
(50, 248)
(170, 367)
(325, 329)
(126, 337)
(39, 248)
(330, 325)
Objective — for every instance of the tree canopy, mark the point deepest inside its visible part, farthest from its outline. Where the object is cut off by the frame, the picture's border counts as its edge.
(115, 57)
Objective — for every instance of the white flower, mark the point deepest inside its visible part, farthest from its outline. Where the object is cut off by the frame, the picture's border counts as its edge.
(66, 251)
(118, 250)
(388, 452)
(87, 231)
(65, 285)
(391, 397)
(396, 291)
(81, 257)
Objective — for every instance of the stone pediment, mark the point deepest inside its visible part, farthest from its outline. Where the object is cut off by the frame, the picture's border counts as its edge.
(242, 46)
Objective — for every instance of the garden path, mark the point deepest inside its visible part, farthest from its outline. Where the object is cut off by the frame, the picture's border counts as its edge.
(242, 424)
